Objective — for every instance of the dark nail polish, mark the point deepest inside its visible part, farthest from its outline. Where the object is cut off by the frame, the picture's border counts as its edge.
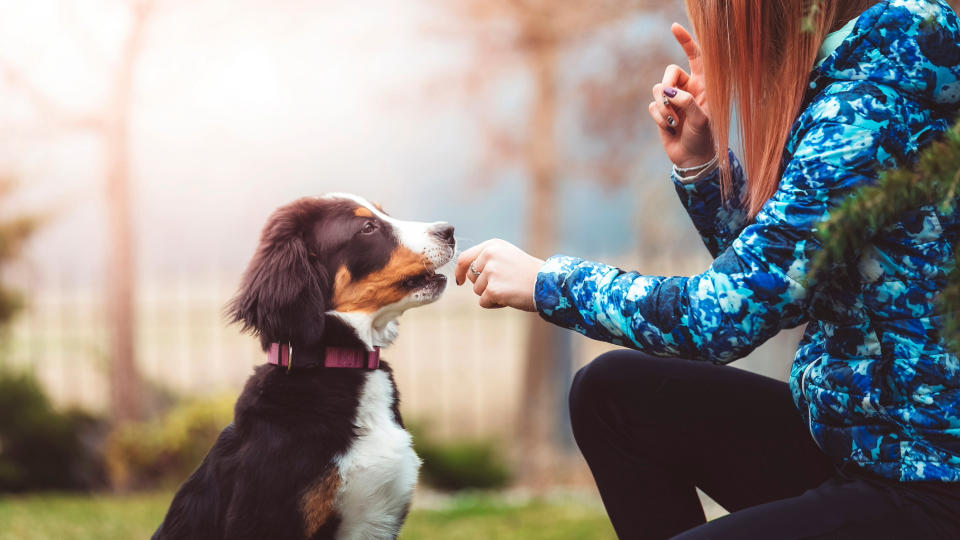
(670, 91)
(671, 121)
(671, 131)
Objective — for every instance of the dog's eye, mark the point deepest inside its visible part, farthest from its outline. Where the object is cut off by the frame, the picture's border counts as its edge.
(369, 227)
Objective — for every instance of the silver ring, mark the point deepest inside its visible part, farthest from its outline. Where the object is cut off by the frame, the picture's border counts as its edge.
(474, 269)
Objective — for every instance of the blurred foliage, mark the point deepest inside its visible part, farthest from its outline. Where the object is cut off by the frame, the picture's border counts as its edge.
(164, 451)
(161, 453)
(14, 233)
(934, 180)
(460, 464)
(40, 447)
(11, 302)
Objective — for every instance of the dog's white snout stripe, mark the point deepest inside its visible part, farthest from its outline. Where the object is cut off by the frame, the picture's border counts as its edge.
(417, 236)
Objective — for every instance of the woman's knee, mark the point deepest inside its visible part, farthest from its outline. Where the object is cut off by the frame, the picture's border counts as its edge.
(617, 378)
(591, 378)
(594, 384)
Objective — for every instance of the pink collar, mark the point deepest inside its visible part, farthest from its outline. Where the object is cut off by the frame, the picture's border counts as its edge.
(281, 354)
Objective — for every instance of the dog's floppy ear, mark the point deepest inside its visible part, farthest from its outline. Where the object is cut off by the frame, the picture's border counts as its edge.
(282, 294)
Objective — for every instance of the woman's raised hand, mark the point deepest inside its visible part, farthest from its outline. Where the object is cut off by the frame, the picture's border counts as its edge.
(679, 108)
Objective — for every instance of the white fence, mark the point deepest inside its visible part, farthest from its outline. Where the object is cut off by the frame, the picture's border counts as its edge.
(457, 366)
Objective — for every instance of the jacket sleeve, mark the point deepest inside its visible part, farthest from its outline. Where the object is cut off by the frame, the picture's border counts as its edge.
(717, 220)
(758, 285)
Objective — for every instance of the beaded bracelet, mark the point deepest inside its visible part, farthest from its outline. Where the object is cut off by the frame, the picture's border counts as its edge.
(684, 170)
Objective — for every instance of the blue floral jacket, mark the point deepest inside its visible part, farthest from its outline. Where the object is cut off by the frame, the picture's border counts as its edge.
(872, 376)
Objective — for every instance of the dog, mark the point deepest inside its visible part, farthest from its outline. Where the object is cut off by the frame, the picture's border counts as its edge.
(317, 449)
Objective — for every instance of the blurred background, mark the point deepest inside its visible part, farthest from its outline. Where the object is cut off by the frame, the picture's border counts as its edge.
(143, 143)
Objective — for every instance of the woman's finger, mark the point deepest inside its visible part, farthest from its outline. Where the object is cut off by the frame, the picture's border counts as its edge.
(488, 301)
(480, 284)
(467, 257)
(674, 77)
(666, 112)
(687, 106)
(479, 264)
(660, 120)
(690, 47)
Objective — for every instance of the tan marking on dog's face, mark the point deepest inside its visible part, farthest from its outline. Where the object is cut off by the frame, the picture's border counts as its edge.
(363, 211)
(317, 505)
(379, 207)
(377, 289)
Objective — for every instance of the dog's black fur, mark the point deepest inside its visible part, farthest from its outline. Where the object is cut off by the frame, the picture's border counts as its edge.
(287, 426)
(285, 433)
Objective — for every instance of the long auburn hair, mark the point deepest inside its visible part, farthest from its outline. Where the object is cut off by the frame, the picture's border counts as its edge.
(757, 58)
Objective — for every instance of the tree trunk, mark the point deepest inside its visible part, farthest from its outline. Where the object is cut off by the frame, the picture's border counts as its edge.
(126, 387)
(542, 425)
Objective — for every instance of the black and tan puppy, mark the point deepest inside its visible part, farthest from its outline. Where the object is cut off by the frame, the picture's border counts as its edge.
(317, 448)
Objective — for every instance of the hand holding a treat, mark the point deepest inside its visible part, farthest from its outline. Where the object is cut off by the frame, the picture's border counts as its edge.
(502, 274)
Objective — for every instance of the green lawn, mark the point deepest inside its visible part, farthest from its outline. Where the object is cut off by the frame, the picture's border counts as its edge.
(106, 517)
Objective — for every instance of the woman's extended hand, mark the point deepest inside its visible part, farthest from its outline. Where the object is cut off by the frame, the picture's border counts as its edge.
(503, 275)
(679, 107)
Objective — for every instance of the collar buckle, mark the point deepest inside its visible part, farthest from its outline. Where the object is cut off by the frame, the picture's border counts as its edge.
(281, 355)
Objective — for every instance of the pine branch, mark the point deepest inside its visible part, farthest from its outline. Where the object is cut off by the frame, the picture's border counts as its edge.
(949, 301)
(934, 180)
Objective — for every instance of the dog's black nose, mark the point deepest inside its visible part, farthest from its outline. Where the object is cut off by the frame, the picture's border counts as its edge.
(444, 232)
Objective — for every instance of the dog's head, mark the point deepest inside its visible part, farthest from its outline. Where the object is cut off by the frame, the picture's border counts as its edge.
(339, 255)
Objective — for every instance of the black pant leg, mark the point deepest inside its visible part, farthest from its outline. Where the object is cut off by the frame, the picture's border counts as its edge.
(842, 508)
(652, 429)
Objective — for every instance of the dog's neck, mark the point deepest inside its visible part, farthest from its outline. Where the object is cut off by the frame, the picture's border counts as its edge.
(336, 333)
(379, 329)
(349, 331)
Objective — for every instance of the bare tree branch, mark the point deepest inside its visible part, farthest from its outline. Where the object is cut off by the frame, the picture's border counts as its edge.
(45, 105)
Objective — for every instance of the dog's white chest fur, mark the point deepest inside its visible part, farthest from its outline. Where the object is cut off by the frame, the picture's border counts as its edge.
(379, 471)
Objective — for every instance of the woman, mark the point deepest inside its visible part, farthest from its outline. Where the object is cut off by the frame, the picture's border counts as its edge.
(864, 442)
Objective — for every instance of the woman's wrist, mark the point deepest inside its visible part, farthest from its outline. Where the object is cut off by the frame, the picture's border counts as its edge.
(690, 175)
(536, 283)
(695, 165)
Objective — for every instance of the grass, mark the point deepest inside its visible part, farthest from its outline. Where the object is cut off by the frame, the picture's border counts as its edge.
(108, 517)
(81, 517)
(473, 517)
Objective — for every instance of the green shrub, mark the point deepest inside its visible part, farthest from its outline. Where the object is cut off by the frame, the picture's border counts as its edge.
(461, 464)
(40, 447)
(163, 452)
